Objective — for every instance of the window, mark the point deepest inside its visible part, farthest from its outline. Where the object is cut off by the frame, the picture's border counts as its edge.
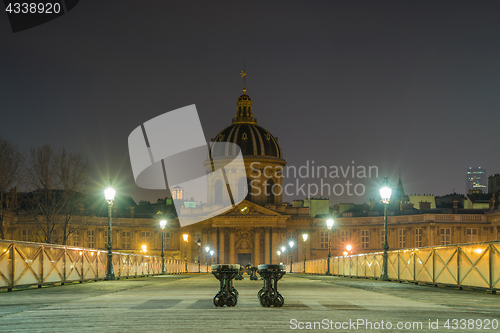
(323, 239)
(76, 238)
(402, 238)
(344, 236)
(471, 235)
(270, 191)
(365, 239)
(26, 235)
(166, 238)
(241, 189)
(218, 192)
(418, 237)
(91, 234)
(126, 240)
(445, 236)
(145, 237)
(382, 240)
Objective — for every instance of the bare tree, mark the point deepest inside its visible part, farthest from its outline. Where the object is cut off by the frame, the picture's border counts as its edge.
(11, 162)
(58, 181)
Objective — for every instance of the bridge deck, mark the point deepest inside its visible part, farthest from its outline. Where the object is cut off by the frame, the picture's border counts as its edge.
(183, 303)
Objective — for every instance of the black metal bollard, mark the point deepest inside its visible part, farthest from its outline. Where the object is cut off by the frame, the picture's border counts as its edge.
(269, 295)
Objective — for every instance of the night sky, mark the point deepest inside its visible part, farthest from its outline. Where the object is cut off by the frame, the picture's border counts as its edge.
(405, 86)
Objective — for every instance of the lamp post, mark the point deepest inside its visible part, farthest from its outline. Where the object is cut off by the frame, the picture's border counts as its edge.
(185, 237)
(283, 251)
(279, 256)
(163, 223)
(291, 254)
(349, 248)
(206, 256)
(329, 225)
(385, 195)
(199, 247)
(109, 194)
(304, 237)
(211, 254)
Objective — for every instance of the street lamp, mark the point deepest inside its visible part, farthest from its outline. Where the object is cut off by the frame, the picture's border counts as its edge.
(385, 195)
(109, 195)
(279, 255)
(304, 237)
(206, 257)
(211, 254)
(199, 247)
(329, 225)
(291, 258)
(163, 223)
(348, 248)
(185, 237)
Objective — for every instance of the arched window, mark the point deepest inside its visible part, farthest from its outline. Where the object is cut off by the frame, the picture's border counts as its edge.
(241, 189)
(269, 191)
(218, 192)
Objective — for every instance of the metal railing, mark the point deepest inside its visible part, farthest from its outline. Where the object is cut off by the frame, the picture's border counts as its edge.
(462, 265)
(25, 264)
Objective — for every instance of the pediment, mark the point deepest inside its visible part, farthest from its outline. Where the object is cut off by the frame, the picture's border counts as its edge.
(254, 210)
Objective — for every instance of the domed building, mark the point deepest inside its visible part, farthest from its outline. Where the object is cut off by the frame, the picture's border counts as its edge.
(262, 157)
(259, 223)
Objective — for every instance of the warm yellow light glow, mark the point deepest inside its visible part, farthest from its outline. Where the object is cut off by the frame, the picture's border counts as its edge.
(185, 237)
(144, 248)
(329, 223)
(81, 252)
(163, 223)
(291, 244)
(304, 236)
(207, 249)
(345, 253)
(109, 194)
(283, 249)
(478, 250)
(279, 253)
(348, 247)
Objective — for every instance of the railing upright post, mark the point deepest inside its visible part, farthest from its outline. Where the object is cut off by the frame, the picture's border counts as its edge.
(458, 267)
(41, 267)
(490, 266)
(12, 266)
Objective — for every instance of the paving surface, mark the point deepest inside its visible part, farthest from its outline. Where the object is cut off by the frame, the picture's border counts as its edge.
(183, 303)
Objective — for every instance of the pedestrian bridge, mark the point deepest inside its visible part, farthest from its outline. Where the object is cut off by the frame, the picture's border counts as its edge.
(24, 264)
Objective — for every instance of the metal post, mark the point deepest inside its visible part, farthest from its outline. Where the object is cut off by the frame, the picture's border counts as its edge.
(185, 256)
(199, 262)
(304, 258)
(385, 276)
(329, 252)
(162, 255)
(291, 260)
(110, 274)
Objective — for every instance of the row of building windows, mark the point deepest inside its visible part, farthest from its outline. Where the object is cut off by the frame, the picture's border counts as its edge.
(445, 237)
(76, 240)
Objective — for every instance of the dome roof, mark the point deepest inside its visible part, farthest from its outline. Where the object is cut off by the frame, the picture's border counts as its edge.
(244, 131)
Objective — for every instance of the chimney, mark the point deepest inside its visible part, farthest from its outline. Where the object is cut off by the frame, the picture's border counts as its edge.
(131, 211)
(455, 206)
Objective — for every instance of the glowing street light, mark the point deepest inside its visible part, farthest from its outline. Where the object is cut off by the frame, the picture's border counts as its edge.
(199, 247)
(385, 195)
(144, 248)
(279, 255)
(291, 243)
(163, 224)
(348, 248)
(329, 225)
(207, 249)
(109, 195)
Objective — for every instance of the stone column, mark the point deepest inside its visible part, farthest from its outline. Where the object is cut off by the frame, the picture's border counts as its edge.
(232, 258)
(266, 247)
(222, 255)
(256, 260)
(214, 245)
(276, 246)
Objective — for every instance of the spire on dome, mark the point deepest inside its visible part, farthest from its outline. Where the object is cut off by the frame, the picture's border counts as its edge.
(244, 105)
